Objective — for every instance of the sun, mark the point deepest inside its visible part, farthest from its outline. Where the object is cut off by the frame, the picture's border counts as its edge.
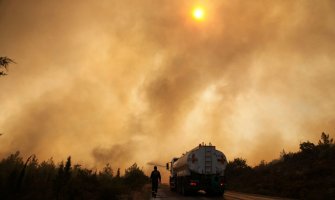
(198, 13)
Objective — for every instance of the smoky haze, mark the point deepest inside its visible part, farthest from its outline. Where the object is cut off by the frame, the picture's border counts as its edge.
(140, 81)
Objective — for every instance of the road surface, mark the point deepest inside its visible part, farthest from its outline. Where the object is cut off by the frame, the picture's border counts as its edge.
(165, 194)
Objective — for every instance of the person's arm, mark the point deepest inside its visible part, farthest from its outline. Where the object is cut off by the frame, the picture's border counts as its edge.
(159, 177)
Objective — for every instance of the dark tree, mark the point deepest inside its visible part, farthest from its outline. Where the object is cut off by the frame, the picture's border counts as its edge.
(238, 163)
(118, 174)
(4, 62)
(107, 171)
(307, 146)
(134, 177)
(325, 139)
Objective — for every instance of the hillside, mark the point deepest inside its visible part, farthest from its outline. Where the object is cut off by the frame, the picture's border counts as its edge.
(307, 174)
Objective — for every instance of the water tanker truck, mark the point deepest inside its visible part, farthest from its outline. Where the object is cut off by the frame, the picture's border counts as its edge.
(202, 168)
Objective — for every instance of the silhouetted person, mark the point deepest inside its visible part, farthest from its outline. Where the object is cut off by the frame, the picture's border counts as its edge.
(155, 178)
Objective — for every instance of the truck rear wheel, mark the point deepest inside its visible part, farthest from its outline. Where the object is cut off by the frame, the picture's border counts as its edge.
(184, 190)
(178, 185)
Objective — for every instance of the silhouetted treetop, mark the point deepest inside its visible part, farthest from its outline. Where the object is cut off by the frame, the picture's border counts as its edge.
(4, 62)
(307, 146)
(325, 140)
(239, 163)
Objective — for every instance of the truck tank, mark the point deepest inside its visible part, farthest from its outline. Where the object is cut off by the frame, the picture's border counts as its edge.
(201, 160)
(202, 168)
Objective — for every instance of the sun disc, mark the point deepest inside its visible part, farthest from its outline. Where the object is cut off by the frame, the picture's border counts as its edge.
(198, 13)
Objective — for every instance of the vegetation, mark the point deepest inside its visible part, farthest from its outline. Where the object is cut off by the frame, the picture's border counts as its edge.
(307, 174)
(4, 62)
(45, 180)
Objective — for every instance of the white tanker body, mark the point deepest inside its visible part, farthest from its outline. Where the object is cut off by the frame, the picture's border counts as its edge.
(202, 168)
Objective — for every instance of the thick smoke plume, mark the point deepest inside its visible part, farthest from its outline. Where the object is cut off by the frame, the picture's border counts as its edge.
(134, 81)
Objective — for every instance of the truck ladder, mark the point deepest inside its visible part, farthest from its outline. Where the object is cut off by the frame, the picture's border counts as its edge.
(208, 160)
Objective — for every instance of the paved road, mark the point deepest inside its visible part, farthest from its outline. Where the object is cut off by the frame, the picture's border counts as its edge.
(165, 194)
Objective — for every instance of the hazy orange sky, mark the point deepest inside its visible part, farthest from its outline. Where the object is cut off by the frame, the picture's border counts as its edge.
(124, 81)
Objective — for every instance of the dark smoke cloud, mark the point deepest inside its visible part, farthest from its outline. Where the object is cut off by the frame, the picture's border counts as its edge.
(116, 154)
(136, 81)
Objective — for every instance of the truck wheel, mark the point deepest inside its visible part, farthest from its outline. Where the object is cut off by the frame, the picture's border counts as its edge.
(183, 190)
(178, 187)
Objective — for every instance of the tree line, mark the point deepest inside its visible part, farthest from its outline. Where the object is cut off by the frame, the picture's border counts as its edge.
(31, 179)
(306, 174)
